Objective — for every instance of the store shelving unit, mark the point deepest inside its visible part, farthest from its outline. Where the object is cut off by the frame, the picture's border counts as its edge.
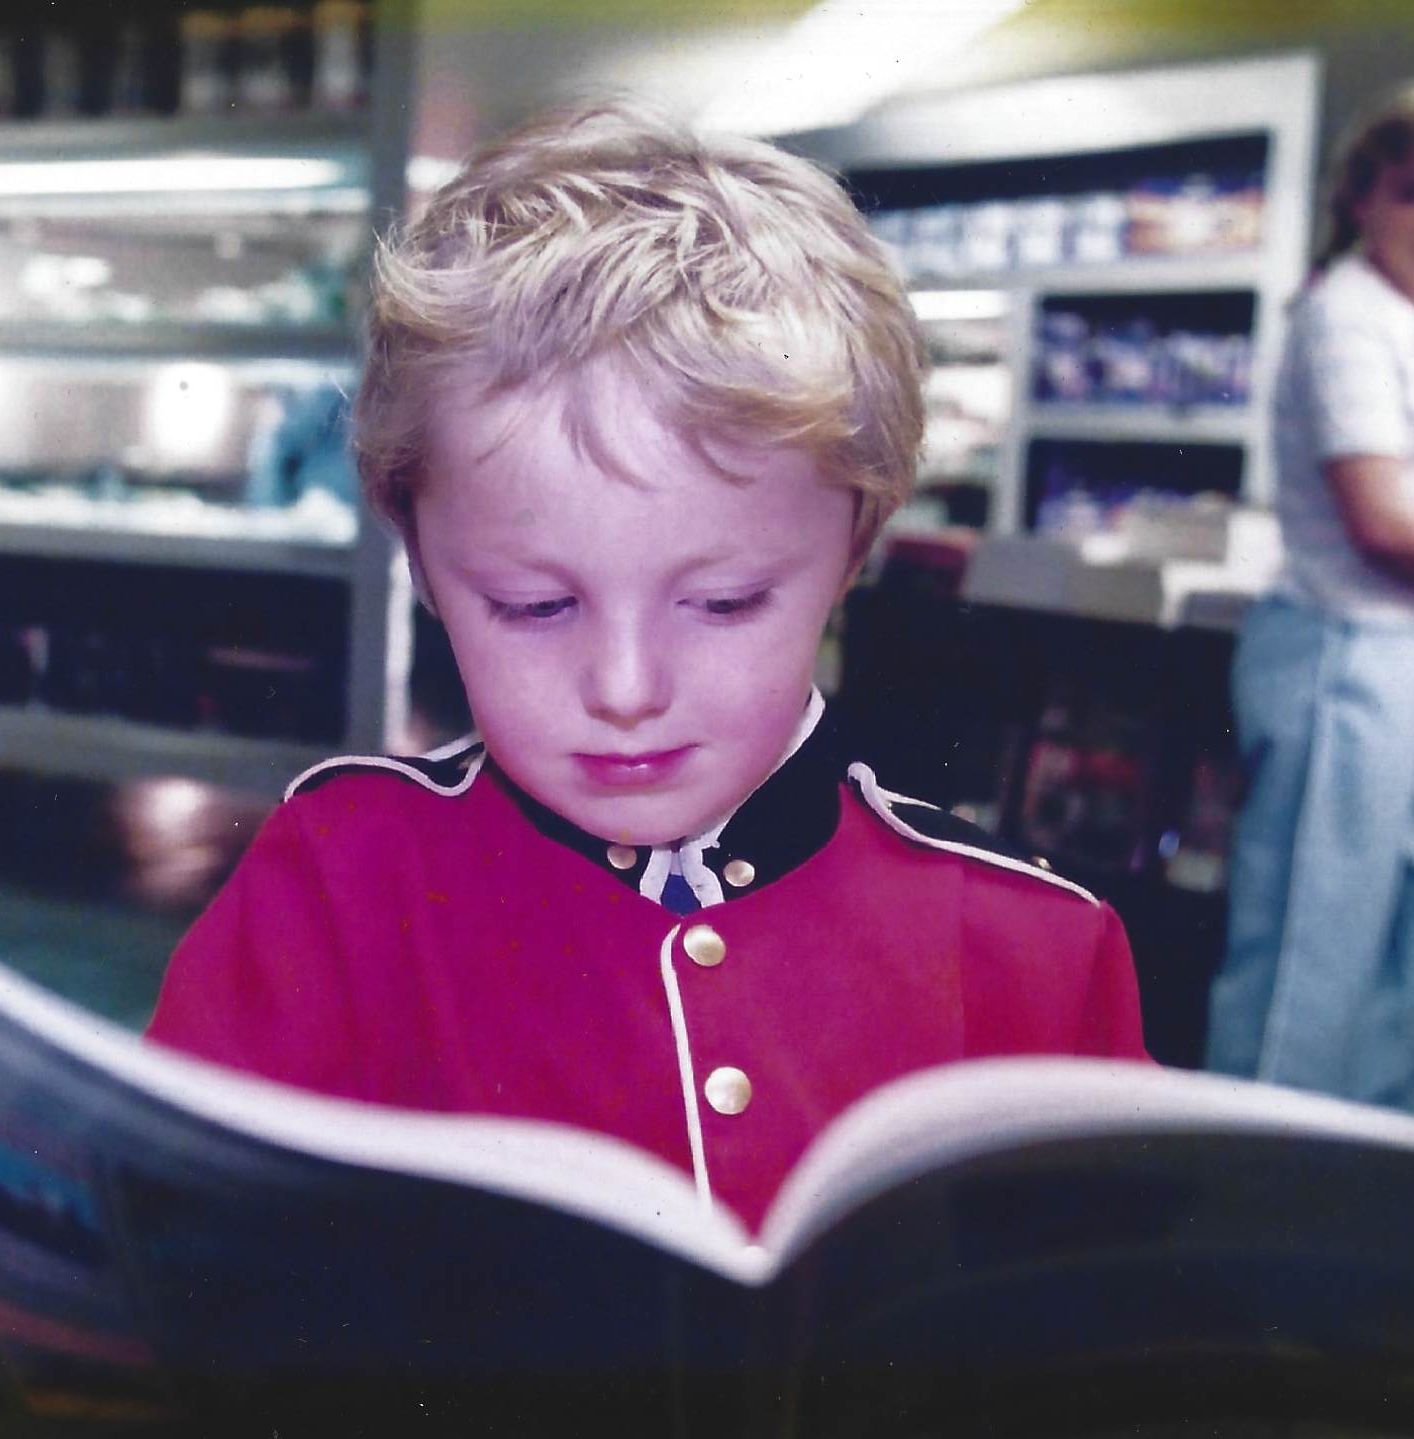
(1171, 424)
(104, 194)
(1035, 142)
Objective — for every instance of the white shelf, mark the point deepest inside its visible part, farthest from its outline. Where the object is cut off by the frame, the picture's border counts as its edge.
(107, 137)
(1169, 424)
(1240, 270)
(322, 344)
(278, 556)
(152, 171)
(104, 747)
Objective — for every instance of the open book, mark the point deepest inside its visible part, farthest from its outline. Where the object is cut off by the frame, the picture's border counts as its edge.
(178, 1243)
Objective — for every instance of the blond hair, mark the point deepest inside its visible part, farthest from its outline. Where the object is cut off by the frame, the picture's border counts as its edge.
(737, 282)
(1382, 137)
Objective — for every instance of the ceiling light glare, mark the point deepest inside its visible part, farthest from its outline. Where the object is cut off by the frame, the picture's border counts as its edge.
(839, 59)
(168, 175)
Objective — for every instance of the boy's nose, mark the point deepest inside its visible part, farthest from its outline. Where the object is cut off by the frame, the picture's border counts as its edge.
(626, 680)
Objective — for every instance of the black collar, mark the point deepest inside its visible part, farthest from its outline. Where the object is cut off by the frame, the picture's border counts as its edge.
(788, 818)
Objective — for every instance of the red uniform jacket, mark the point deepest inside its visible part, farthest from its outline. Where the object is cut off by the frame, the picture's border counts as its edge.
(421, 934)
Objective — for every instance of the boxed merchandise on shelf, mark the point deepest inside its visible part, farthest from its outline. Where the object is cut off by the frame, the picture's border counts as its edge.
(1197, 214)
(1195, 198)
(1177, 348)
(1075, 487)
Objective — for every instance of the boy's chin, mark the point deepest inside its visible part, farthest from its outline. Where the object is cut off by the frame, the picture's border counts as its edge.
(648, 821)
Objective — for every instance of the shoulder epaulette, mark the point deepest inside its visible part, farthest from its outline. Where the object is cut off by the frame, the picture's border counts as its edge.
(929, 824)
(449, 770)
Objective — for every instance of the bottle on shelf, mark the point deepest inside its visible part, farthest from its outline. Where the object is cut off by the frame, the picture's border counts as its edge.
(272, 74)
(17, 666)
(1194, 855)
(124, 76)
(11, 39)
(343, 50)
(60, 69)
(207, 66)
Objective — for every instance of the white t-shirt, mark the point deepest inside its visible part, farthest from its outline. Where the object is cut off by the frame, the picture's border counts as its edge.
(1346, 387)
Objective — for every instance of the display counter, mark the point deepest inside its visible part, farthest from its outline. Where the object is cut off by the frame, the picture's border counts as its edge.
(1105, 578)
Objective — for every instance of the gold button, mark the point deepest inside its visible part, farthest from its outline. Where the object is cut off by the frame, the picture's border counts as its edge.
(1040, 861)
(622, 856)
(738, 873)
(728, 1090)
(704, 945)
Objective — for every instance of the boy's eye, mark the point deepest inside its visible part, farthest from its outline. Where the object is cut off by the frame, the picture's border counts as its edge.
(736, 606)
(531, 610)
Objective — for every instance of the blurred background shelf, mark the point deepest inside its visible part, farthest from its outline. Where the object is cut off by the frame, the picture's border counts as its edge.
(110, 339)
(222, 552)
(1135, 272)
(111, 748)
(1172, 424)
(124, 136)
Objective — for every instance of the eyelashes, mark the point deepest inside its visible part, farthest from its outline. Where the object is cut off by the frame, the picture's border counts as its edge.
(738, 607)
(535, 610)
(544, 611)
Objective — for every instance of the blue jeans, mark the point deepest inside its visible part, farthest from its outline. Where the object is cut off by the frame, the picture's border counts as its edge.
(1317, 989)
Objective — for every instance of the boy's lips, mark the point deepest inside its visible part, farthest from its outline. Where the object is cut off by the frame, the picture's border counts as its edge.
(646, 768)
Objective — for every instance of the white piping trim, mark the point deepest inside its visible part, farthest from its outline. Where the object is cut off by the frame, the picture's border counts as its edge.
(378, 761)
(685, 1075)
(881, 801)
(893, 797)
(453, 746)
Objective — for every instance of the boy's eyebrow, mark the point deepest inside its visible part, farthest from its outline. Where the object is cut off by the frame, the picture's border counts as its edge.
(477, 564)
(757, 558)
(480, 565)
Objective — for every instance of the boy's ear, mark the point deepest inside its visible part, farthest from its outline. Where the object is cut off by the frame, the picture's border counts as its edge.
(419, 575)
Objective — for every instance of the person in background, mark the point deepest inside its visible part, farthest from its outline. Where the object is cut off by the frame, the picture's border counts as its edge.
(1317, 989)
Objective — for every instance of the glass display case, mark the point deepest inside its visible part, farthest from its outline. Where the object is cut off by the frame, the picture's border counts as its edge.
(187, 587)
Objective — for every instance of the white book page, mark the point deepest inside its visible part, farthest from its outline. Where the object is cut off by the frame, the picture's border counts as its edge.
(574, 1170)
(945, 1115)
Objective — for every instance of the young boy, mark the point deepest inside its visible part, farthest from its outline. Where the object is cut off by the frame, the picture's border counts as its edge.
(638, 403)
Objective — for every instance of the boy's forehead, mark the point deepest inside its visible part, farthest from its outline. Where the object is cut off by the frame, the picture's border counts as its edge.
(602, 417)
(506, 477)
